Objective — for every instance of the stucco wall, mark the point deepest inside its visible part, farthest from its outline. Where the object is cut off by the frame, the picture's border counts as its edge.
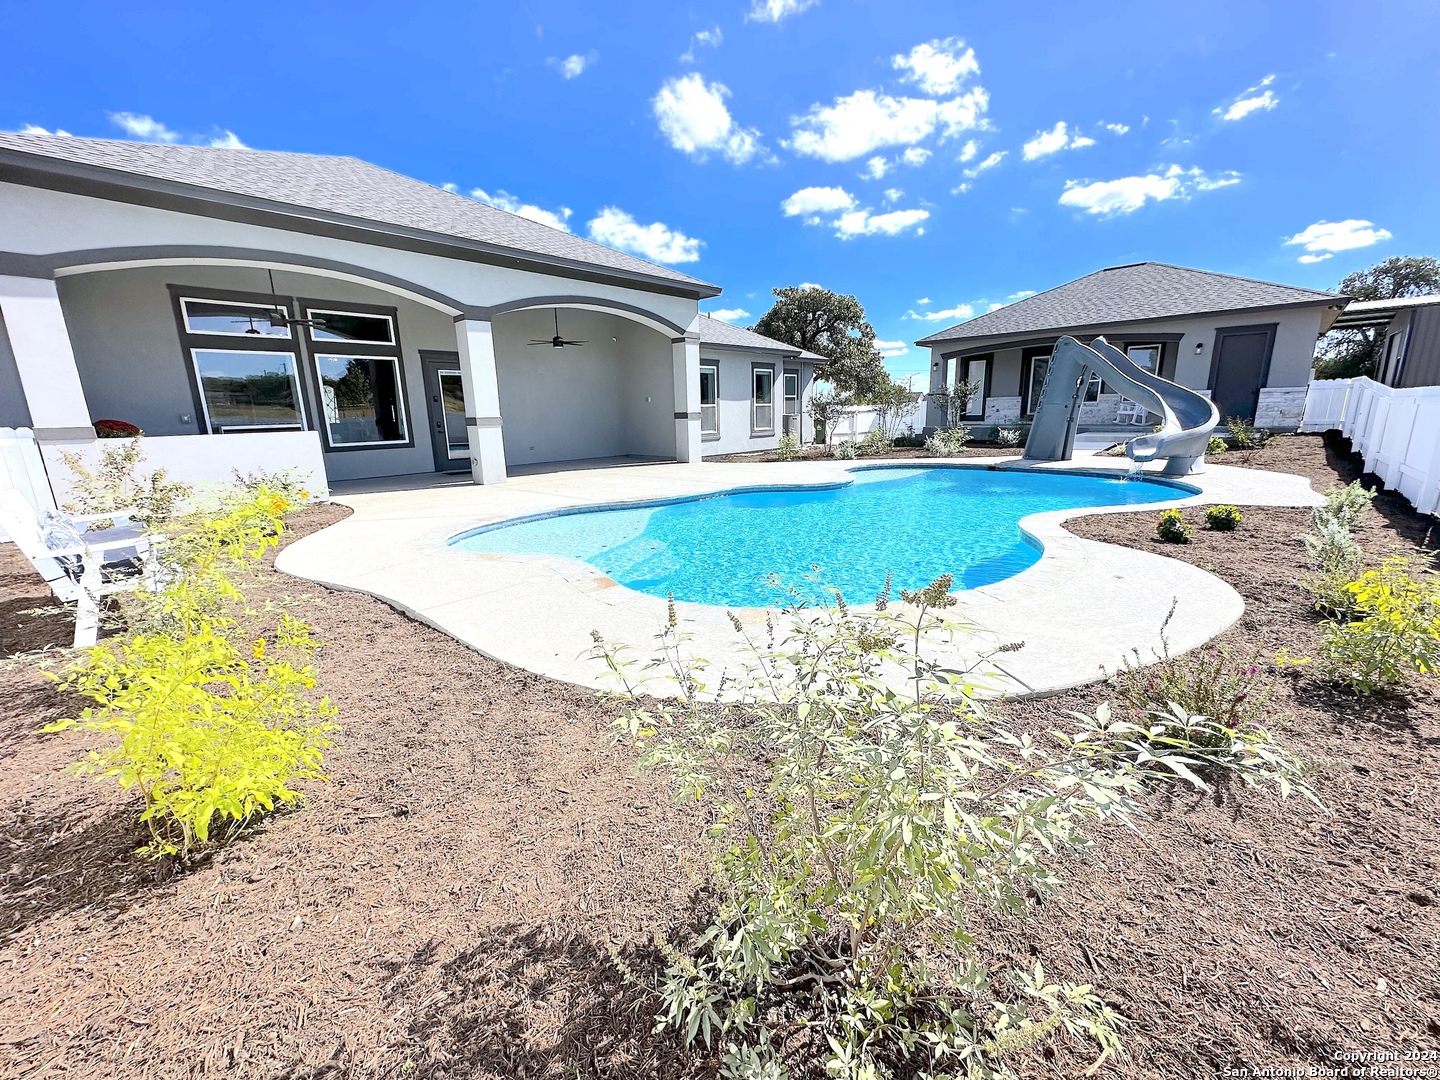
(734, 368)
(588, 401)
(133, 368)
(1295, 332)
(13, 410)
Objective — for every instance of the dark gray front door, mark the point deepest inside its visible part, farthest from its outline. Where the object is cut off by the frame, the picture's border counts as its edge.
(1242, 361)
(446, 401)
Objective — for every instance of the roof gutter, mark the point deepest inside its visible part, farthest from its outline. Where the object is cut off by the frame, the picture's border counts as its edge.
(37, 170)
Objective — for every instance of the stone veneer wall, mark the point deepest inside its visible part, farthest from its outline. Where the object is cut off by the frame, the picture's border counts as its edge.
(1280, 408)
(1002, 410)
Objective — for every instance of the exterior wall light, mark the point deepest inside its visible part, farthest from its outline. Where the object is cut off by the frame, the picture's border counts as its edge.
(1199, 347)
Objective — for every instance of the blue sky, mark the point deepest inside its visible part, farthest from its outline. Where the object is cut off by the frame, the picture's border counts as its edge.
(934, 159)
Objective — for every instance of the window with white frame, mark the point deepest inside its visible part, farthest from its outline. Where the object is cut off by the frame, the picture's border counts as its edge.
(790, 402)
(762, 413)
(709, 400)
(356, 358)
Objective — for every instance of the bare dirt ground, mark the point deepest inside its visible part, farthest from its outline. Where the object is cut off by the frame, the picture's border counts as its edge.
(447, 906)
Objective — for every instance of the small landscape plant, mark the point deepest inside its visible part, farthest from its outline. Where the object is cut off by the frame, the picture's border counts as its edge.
(1344, 506)
(214, 718)
(860, 803)
(1334, 555)
(787, 448)
(1216, 445)
(1244, 435)
(1234, 692)
(845, 451)
(876, 441)
(113, 484)
(1223, 518)
(1393, 630)
(1008, 437)
(1171, 527)
(947, 442)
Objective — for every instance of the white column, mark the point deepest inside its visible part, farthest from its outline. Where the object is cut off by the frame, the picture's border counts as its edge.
(685, 354)
(476, 342)
(40, 343)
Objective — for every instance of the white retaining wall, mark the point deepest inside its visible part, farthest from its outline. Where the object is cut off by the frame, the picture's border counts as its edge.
(1397, 432)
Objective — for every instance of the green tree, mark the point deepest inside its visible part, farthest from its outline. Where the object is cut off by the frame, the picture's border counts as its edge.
(1343, 354)
(832, 325)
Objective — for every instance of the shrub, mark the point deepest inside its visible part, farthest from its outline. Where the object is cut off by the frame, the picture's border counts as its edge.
(845, 451)
(947, 442)
(853, 823)
(1345, 506)
(283, 482)
(1394, 633)
(214, 721)
(1216, 445)
(910, 440)
(787, 448)
(113, 485)
(876, 441)
(1235, 693)
(1171, 527)
(1223, 518)
(1244, 435)
(116, 429)
(1008, 437)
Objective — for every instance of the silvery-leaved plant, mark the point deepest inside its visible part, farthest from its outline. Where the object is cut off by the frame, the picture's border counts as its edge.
(860, 801)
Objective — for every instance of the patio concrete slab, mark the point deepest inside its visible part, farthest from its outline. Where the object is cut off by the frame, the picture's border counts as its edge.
(1081, 609)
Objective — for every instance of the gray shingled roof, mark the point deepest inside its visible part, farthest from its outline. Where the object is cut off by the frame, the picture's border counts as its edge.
(1121, 294)
(345, 186)
(719, 332)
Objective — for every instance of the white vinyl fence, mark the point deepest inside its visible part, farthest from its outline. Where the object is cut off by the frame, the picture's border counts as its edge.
(857, 421)
(1397, 432)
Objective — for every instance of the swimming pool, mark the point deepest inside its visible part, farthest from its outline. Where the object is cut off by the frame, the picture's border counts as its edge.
(916, 522)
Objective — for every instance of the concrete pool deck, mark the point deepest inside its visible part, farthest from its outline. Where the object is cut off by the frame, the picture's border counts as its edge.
(1083, 606)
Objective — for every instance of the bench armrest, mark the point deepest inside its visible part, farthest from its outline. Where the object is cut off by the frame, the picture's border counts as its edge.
(111, 515)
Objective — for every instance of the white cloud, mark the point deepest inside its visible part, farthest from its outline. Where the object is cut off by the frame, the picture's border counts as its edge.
(938, 67)
(916, 155)
(503, 200)
(867, 121)
(1021, 295)
(1130, 193)
(35, 129)
(893, 194)
(969, 150)
(656, 242)
(574, 65)
(923, 300)
(693, 116)
(728, 314)
(1056, 139)
(812, 201)
(710, 38)
(227, 140)
(876, 167)
(146, 128)
(989, 163)
(1116, 129)
(890, 349)
(1254, 99)
(954, 314)
(960, 189)
(863, 223)
(774, 11)
(1324, 238)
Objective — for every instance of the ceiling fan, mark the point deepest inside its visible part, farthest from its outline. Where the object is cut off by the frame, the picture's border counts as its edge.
(557, 342)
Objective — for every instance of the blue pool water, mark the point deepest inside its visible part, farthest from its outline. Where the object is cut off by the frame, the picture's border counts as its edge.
(915, 522)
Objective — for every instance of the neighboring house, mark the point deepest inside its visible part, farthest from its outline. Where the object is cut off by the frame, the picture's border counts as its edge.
(251, 309)
(753, 389)
(1249, 343)
(1409, 329)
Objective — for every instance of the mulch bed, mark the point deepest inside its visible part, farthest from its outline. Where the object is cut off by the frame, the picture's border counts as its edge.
(447, 906)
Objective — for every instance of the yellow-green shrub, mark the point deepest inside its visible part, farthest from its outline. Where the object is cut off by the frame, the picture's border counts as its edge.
(211, 737)
(214, 722)
(1395, 631)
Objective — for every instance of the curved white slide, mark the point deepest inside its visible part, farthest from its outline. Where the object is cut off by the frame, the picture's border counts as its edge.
(1187, 418)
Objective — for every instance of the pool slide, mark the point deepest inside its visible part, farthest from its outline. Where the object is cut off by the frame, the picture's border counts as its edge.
(1186, 417)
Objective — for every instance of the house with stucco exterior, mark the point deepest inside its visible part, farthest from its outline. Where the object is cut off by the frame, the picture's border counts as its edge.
(256, 310)
(1248, 344)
